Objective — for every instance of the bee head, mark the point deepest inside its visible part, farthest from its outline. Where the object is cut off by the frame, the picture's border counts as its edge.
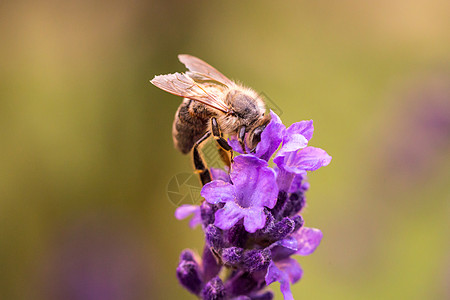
(245, 107)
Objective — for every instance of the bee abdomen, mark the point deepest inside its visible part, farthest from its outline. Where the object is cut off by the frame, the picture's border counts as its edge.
(190, 124)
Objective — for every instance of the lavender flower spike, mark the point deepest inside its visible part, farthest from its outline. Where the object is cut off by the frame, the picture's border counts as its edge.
(252, 218)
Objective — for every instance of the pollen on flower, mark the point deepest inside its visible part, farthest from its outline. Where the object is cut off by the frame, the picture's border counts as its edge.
(251, 218)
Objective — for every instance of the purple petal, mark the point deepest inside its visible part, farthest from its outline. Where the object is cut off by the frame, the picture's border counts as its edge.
(254, 219)
(271, 138)
(275, 274)
(229, 215)
(235, 145)
(296, 137)
(309, 159)
(255, 182)
(186, 210)
(292, 143)
(285, 272)
(298, 183)
(219, 174)
(308, 240)
(284, 248)
(218, 191)
(292, 268)
(281, 160)
(196, 219)
(305, 128)
(289, 243)
(284, 178)
(243, 163)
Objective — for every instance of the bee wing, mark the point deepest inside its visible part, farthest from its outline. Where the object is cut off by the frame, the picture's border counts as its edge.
(196, 65)
(182, 85)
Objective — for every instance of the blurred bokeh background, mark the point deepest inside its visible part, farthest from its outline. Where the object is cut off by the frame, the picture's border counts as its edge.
(86, 152)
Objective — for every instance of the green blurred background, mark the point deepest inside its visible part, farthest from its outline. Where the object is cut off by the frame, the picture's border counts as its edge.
(86, 149)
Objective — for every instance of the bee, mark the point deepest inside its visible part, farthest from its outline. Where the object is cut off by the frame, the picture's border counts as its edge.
(212, 105)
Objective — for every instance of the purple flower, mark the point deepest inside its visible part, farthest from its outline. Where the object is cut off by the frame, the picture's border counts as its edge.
(253, 188)
(285, 272)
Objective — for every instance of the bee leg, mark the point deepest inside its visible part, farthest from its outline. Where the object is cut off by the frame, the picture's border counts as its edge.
(199, 163)
(225, 155)
(225, 150)
(241, 138)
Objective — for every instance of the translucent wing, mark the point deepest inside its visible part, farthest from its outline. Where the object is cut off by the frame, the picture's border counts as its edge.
(183, 85)
(202, 69)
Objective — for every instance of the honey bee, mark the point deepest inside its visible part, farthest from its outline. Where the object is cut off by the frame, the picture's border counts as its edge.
(212, 105)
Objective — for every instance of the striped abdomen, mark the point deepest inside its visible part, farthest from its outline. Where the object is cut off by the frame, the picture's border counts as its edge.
(190, 124)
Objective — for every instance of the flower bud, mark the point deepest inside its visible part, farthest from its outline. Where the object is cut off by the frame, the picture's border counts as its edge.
(214, 290)
(281, 229)
(255, 260)
(187, 255)
(232, 256)
(298, 220)
(188, 275)
(207, 212)
(213, 236)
